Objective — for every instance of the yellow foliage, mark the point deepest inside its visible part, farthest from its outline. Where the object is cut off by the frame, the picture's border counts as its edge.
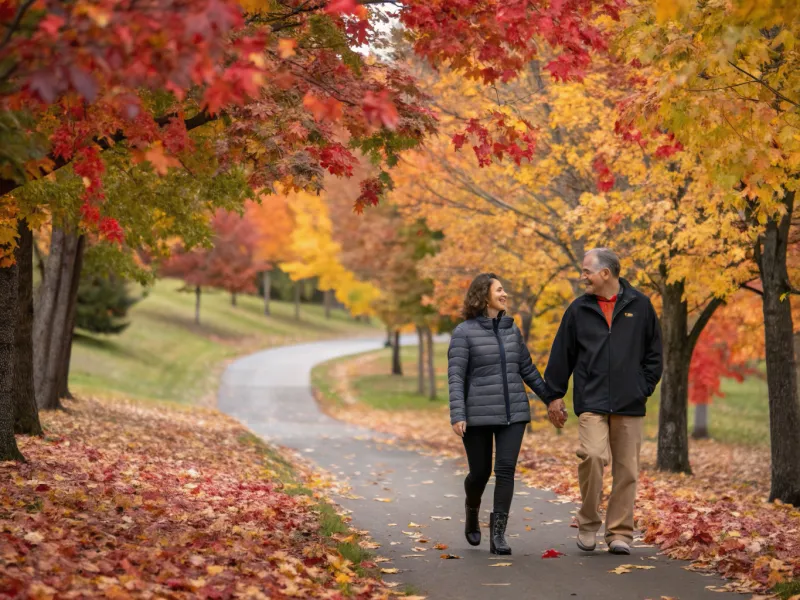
(316, 254)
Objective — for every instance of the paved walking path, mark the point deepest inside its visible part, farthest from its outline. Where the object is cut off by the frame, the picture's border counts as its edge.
(270, 393)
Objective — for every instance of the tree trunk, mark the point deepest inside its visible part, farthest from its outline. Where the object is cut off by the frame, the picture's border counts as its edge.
(700, 422)
(420, 362)
(431, 369)
(45, 309)
(63, 377)
(673, 435)
(26, 415)
(52, 318)
(297, 289)
(233, 298)
(8, 308)
(266, 277)
(328, 303)
(197, 293)
(40, 262)
(527, 321)
(784, 410)
(397, 364)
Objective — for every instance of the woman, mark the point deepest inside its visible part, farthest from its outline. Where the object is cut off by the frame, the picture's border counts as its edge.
(487, 364)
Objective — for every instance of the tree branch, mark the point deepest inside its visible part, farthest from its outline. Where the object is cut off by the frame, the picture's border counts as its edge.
(765, 84)
(9, 185)
(702, 321)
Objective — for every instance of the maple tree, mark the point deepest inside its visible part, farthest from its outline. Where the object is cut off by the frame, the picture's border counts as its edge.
(272, 220)
(723, 80)
(229, 263)
(314, 253)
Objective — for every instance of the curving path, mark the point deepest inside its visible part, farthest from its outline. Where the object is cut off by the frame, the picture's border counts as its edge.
(270, 393)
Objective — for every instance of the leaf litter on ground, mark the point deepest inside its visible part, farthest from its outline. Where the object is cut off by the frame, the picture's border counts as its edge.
(686, 517)
(124, 499)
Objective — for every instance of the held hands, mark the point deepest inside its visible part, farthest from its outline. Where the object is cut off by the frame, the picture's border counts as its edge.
(460, 428)
(557, 413)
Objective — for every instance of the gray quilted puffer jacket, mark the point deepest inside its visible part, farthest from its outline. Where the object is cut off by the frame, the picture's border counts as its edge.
(486, 364)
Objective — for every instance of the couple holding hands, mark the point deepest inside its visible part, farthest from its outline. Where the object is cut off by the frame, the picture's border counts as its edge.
(609, 341)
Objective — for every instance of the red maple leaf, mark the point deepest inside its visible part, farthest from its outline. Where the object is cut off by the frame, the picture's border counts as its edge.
(552, 553)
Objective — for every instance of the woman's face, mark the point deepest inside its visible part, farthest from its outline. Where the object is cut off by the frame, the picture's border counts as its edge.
(497, 296)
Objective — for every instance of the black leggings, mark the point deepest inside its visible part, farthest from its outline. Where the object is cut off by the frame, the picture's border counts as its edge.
(478, 444)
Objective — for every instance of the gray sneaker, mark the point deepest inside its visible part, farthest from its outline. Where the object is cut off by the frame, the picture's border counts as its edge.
(586, 541)
(619, 547)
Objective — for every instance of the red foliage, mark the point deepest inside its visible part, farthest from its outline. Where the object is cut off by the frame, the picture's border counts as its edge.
(712, 360)
(230, 264)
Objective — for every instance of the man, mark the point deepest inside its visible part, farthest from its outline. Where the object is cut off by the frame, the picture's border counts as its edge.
(609, 340)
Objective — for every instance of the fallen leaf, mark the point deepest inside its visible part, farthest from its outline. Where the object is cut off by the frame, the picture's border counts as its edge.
(419, 549)
(412, 556)
(412, 524)
(34, 537)
(502, 564)
(382, 499)
(627, 568)
(391, 571)
(448, 556)
(441, 518)
(552, 553)
(440, 547)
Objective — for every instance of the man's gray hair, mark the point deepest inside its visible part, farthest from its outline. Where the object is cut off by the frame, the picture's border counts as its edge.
(607, 259)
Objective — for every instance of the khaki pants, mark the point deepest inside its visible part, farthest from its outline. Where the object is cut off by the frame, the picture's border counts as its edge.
(604, 438)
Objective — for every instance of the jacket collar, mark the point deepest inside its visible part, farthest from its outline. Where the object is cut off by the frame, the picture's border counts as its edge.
(626, 293)
(503, 321)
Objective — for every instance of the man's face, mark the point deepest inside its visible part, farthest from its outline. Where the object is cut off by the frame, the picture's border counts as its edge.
(592, 276)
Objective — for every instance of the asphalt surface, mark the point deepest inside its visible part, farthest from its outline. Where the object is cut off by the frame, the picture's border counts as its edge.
(270, 393)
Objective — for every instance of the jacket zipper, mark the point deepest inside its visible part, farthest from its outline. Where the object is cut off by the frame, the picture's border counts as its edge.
(495, 326)
(617, 309)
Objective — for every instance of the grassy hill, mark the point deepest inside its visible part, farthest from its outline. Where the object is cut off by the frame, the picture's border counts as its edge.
(164, 355)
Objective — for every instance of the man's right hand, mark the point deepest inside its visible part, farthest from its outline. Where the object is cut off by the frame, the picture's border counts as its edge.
(557, 413)
(460, 428)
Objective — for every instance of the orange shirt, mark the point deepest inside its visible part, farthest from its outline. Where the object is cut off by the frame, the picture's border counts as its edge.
(607, 306)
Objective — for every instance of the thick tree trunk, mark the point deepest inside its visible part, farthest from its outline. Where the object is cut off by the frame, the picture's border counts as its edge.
(52, 318)
(784, 410)
(197, 294)
(233, 299)
(420, 362)
(266, 277)
(8, 309)
(397, 364)
(297, 289)
(328, 303)
(431, 369)
(26, 415)
(673, 435)
(700, 430)
(66, 356)
(45, 309)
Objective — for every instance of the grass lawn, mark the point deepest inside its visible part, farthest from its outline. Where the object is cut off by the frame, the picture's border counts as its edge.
(741, 417)
(163, 355)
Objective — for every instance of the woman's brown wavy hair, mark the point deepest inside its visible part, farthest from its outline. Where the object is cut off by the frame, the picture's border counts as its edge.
(478, 295)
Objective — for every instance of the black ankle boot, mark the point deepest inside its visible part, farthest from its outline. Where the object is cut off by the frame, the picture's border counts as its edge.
(472, 526)
(497, 533)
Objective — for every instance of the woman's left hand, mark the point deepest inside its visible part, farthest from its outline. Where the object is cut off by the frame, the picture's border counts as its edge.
(460, 428)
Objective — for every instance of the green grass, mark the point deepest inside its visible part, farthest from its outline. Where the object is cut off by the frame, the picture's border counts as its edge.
(740, 417)
(163, 355)
(331, 523)
(788, 589)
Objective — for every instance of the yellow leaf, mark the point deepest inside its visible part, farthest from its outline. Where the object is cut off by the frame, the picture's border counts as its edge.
(391, 571)
(214, 569)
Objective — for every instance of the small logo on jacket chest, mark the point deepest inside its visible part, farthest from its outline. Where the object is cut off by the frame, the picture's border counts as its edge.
(628, 314)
